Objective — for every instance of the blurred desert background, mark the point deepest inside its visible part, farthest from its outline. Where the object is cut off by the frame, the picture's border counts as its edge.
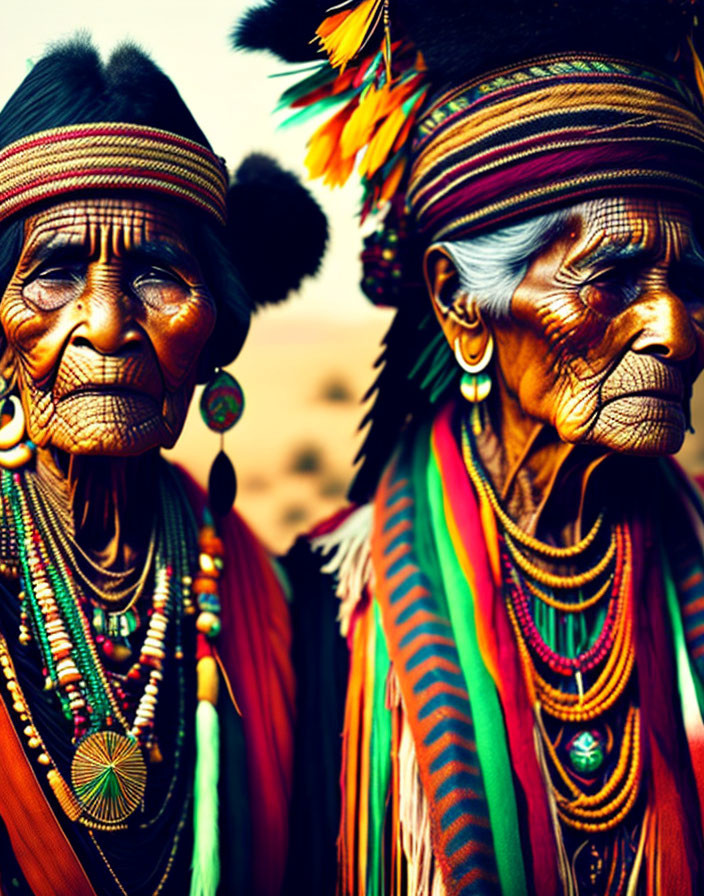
(305, 365)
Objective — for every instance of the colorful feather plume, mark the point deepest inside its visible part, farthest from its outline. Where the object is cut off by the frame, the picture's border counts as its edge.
(374, 100)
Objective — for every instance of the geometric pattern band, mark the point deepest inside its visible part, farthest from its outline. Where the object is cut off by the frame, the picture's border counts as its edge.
(422, 649)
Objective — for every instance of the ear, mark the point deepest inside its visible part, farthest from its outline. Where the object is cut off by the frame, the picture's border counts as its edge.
(459, 315)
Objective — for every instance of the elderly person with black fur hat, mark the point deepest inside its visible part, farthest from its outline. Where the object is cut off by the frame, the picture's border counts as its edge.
(147, 700)
(521, 577)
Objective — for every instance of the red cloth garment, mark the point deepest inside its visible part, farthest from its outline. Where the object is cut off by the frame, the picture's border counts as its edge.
(41, 848)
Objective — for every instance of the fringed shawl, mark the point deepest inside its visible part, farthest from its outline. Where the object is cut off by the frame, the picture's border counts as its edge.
(435, 628)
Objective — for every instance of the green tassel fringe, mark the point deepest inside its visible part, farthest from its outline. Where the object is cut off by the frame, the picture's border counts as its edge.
(206, 842)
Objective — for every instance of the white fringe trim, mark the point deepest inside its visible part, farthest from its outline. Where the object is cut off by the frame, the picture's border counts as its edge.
(351, 560)
(424, 877)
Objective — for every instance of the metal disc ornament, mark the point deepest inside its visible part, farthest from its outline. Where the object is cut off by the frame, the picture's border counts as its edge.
(222, 485)
(109, 776)
(222, 402)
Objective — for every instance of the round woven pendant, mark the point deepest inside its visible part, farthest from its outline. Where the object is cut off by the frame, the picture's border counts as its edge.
(109, 776)
(222, 402)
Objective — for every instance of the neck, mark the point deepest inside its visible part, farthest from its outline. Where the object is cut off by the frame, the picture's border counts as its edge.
(540, 480)
(107, 503)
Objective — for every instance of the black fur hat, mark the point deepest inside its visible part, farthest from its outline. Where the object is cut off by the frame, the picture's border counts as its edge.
(71, 85)
(463, 38)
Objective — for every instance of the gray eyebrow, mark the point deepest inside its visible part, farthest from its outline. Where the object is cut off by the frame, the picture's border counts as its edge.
(612, 254)
(44, 248)
(164, 251)
(156, 251)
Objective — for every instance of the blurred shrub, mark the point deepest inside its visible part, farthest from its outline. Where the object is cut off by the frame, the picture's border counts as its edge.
(336, 389)
(306, 459)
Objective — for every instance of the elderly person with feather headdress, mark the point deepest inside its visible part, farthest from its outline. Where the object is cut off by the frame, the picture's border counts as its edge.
(146, 710)
(519, 678)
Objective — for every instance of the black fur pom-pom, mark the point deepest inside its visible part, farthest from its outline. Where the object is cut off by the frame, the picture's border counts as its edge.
(285, 27)
(277, 231)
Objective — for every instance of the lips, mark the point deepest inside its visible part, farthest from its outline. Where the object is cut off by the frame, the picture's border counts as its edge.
(660, 395)
(643, 376)
(106, 390)
(88, 373)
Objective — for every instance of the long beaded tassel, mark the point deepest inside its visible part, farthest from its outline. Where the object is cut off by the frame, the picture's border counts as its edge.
(206, 841)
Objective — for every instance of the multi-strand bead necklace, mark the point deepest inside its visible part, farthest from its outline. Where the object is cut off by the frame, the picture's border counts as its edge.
(580, 683)
(112, 715)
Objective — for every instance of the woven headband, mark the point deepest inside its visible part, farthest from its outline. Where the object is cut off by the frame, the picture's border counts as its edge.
(547, 133)
(110, 156)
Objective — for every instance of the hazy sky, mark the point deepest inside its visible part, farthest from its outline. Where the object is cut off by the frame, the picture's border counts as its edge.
(231, 95)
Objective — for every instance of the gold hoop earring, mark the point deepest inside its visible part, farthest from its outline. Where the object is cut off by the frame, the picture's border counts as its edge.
(14, 452)
(475, 384)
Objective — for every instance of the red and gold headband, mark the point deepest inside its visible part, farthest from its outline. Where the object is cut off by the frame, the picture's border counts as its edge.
(109, 156)
(551, 132)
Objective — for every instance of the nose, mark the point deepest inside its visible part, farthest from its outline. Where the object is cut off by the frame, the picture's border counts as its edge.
(107, 318)
(665, 328)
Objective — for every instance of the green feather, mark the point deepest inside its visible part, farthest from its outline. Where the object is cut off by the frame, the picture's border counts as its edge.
(380, 763)
(309, 112)
(206, 842)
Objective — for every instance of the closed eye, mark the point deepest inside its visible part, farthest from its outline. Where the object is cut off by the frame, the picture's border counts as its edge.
(52, 286)
(159, 287)
(612, 289)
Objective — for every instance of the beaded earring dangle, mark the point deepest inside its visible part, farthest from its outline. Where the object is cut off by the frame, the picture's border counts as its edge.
(475, 384)
(221, 406)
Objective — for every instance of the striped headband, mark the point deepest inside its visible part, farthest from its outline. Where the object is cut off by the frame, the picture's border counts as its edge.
(547, 133)
(110, 156)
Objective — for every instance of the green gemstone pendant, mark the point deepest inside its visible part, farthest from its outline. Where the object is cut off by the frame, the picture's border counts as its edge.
(586, 752)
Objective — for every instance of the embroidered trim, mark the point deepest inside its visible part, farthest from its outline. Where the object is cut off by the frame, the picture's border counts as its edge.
(110, 156)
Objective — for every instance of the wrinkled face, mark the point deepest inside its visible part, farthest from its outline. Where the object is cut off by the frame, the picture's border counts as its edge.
(106, 315)
(606, 332)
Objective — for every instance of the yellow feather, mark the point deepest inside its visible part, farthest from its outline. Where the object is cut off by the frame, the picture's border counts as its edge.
(342, 35)
(380, 144)
(359, 129)
(392, 182)
(338, 170)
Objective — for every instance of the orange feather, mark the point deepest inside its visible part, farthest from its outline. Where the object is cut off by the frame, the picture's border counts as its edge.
(324, 143)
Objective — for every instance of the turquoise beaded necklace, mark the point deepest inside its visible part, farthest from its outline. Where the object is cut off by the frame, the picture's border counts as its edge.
(108, 769)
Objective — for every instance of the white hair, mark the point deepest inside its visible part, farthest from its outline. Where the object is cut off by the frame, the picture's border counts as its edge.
(491, 266)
